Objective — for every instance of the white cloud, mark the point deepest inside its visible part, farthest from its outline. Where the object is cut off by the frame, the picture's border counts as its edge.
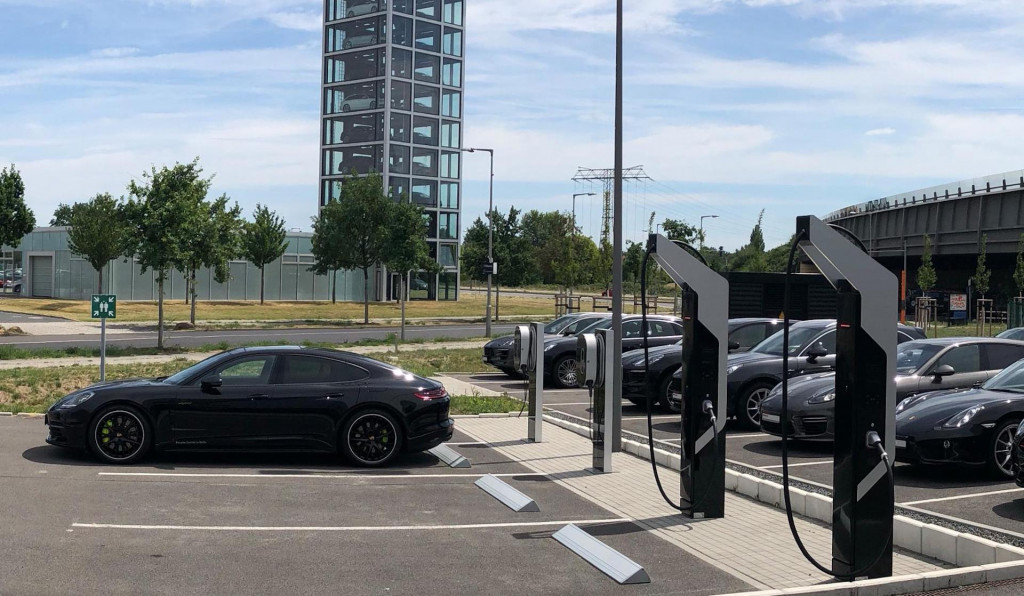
(303, 21)
(880, 131)
(114, 52)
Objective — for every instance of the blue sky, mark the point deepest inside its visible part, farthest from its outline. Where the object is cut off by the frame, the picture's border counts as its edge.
(793, 106)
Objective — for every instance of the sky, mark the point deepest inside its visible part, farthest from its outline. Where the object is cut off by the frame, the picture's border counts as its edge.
(731, 106)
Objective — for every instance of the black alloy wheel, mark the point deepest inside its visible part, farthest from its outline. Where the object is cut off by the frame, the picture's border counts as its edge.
(664, 389)
(120, 435)
(371, 438)
(564, 372)
(750, 404)
(1001, 449)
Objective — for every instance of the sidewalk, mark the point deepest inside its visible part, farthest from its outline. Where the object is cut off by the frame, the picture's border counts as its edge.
(196, 356)
(752, 542)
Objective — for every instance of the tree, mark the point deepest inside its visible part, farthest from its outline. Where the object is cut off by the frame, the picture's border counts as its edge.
(982, 273)
(752, 256)
(926, 277)
(327, 232)
(263, 241)
(62, 215)
(162, 213)
(1018, 272)
(677, 229)
(511, 250)
(363, 212)
(406, 248)
(16, 219)
(99, 232)
(212, 239)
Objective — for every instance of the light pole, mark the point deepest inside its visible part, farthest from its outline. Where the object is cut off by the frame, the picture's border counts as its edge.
(701, 234)
(490, 238)
(571, 239)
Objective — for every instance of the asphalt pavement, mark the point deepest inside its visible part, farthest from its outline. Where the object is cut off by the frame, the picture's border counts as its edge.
(192, 339)
(16, 318)
(272, 524)
(964, 495)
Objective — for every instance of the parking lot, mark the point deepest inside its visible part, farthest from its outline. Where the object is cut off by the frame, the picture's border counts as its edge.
(191, 523)
(964, 495)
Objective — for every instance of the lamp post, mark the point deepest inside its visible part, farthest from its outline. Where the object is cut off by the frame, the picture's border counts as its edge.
(702, 218)
(578, 194)
(490, 237)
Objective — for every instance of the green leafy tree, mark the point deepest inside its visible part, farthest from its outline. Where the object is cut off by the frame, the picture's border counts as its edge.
(982, 274)
(214, 238)
(161, 211)
(99, 232)
(327, 232)
(263, 241)
(926, 277)
(512, 250)
(62, 215)
(1018, 273)
(406, 248)
(677, 229)
(752, 256)
(364, 209)
(16, 219)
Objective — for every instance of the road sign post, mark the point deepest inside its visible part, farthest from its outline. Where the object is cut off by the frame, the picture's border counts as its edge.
(104, 306)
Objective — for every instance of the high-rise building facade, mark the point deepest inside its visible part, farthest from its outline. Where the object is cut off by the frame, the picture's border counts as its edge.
(392, 103)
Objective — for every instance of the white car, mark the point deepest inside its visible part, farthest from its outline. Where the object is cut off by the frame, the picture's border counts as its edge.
(361, 9)
(358, 101)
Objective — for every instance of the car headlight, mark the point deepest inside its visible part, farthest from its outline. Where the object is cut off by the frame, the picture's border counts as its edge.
(822, 398)
(913, 400)
(77, 399)
(732, 369)
(963, 418)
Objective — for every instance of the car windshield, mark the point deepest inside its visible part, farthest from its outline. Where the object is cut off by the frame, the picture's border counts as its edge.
(181, 376)
(1015, 333)
(798, 338)
(913, 355)
(603, 323)
(558, 324)
(1010, 379)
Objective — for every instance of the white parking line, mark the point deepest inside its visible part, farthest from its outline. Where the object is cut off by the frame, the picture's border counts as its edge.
(571, 403)
(806, 463)
(676, 417)
(318, 476)
(465, 443)
(668, 440)
(953, 498)
(745, 435)
(348, 528)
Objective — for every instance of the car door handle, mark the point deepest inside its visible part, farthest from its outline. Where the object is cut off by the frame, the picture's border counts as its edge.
(259, 396)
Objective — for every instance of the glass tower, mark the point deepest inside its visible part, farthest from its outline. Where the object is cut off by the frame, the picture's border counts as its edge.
(392, 103)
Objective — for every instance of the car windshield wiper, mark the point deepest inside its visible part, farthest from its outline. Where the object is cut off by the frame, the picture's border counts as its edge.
(1004, 389)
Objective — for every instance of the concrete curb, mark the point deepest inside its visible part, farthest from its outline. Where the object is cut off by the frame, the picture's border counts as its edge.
(457, 387)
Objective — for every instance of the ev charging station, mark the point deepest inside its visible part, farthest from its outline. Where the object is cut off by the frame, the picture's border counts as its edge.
(528, 358)
(593, 361)
(865, 402)
(705, 350)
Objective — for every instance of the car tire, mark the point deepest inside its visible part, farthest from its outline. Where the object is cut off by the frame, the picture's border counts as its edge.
(120, 435)
(351, 14)
(347, 44)
(662, 395)
(748, 404)
(371, 438)
(346, 108)
(1000, 449)
(562, 376)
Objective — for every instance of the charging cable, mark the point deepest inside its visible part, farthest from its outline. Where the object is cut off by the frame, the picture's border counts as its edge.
(872, 439)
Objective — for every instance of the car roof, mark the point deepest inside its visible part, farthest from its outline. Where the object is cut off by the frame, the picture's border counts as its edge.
(946, 341)
(758, 320)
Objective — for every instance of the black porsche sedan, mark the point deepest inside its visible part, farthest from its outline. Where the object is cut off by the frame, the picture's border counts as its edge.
(744, 334)
(973, 426)
(751, 376)
(286, 398)
(498, 351)
(922, 366)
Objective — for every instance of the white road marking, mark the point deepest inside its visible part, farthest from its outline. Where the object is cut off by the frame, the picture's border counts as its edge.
(349, 528)
(953, 498)
(676, 417)
(573, 403)
(318, 476)
(668, 440)
(806, 463)
(466, 443)
(744, 435)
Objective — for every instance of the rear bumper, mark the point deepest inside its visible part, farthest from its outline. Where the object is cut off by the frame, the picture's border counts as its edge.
(429, 440)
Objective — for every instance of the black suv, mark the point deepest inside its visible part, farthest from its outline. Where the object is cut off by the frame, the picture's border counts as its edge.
(498, 352)
(560, 352)
(751, 376)
(744, 334)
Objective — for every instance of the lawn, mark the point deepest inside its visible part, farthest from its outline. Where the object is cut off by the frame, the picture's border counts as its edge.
(343, 312)
(970, 330)
(34, 389)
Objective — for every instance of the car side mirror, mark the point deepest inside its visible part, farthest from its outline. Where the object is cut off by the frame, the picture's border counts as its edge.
(816, 352)
(733, 345)
(211, 382)
(943, 370)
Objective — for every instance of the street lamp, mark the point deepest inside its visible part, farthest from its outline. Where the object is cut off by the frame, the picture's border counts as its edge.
(578, 194)
(702, 218)
(490, 237)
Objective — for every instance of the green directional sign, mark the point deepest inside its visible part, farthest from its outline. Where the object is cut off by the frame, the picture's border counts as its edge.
(104, 306)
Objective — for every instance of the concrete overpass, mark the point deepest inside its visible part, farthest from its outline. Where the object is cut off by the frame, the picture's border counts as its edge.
(956, 216)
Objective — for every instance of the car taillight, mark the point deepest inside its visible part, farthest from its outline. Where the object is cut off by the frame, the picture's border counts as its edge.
(431, 394)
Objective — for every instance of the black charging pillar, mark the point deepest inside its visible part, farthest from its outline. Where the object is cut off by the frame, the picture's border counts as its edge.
(862, 501)
(705, 348)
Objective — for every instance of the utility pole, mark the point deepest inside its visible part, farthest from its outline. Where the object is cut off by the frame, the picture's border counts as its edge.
(490, 238)
(701, 233)
(617, 244)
